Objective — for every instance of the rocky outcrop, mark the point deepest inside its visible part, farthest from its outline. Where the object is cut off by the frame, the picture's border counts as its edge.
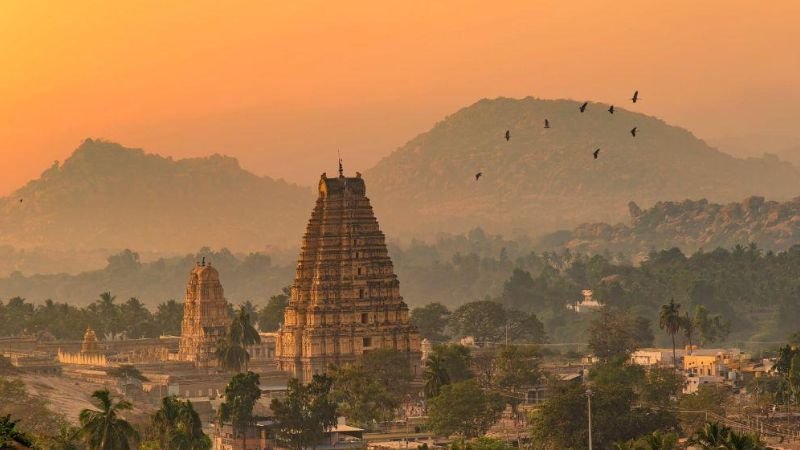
(694, 225)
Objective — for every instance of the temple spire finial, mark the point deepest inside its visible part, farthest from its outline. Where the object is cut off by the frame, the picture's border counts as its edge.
(341, 168)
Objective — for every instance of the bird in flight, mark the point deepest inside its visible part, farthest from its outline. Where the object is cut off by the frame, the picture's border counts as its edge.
(635, 96)
(633, 132)
(611, 110)
(546, 123)
(596, 153)
(583, 106)
(478, 175)
(508, 135)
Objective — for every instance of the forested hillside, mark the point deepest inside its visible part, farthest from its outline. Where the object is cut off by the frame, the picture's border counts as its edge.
(543, 179)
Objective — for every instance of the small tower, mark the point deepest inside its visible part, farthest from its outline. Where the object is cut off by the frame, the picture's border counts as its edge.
(89, 345)
(205, 316)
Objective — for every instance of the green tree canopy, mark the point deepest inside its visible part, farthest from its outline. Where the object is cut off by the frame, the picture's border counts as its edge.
(306, 412)
(431, 321)
(465, 409)
(241, 395)
(615, 334)
(105, 429)
(361, 397)
(177, 426)
(670, 320)
(10, 435)
(270, 316)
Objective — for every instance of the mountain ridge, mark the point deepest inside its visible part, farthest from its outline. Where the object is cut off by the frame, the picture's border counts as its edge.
(545, 179)
(109, 196)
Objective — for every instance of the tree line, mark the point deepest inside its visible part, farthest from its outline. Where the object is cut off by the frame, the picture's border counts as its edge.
(114, 319)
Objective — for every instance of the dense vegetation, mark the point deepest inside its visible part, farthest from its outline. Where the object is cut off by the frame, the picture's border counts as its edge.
(112, 319)
(757, 292)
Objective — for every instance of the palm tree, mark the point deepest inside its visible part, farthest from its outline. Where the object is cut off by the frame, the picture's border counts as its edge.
(11, 436)
(435, 375)
(670, 321)
(231, 355)
(108, 313)
(658, 441)
(712, 436)
(688, 325)
(105, 429)
(178, 426)
(743, 441)
(232, 350)
(242, 329)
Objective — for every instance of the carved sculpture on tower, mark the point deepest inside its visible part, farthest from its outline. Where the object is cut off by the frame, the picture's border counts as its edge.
(205, 316)
(346, 297)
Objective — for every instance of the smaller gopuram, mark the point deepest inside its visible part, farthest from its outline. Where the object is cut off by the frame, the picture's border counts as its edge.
(205, 316)
(89, 345)
(90, 354)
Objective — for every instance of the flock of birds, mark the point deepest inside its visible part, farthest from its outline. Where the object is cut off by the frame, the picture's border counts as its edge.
(582, 109)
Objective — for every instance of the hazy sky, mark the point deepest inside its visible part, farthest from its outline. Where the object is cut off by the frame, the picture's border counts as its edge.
(282, 85)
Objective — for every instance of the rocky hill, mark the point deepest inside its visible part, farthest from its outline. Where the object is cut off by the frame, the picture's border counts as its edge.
(692, 226)
(546, 179)
(106, 196)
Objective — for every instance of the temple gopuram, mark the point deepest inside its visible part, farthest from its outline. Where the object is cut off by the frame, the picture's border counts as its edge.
(205, 316)
(345, 300)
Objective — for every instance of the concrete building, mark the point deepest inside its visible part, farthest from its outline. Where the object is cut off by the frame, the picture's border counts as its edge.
(345, 300)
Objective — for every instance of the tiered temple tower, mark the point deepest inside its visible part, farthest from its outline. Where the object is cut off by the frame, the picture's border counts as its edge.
(345, 297)
(89, 345)
(205, 316)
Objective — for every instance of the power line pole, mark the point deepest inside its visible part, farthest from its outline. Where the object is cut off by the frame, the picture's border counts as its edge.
(589, 401)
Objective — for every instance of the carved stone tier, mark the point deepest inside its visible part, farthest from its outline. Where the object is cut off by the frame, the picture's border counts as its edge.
(205, 316)
(345, 297)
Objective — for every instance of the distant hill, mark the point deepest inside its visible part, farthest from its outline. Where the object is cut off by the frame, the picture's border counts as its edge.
(106, 196)
(785, 147)
(546, 179)
(691, 226)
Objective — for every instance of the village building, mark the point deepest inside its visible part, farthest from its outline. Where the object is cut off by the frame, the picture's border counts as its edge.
(587, 304)
(345, 300)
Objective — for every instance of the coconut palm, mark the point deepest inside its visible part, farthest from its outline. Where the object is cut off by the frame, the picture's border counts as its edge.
(108, 313)
(231, 351)
(658, 441)
(742, 441)
(688, 325)
(178, 426)
(105, 429)
(712, 436)
(231, 355)
(435, 375)
(242, 329)
(670, 321)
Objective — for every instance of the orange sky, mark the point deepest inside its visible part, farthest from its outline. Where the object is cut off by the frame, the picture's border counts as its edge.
(282, 85)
